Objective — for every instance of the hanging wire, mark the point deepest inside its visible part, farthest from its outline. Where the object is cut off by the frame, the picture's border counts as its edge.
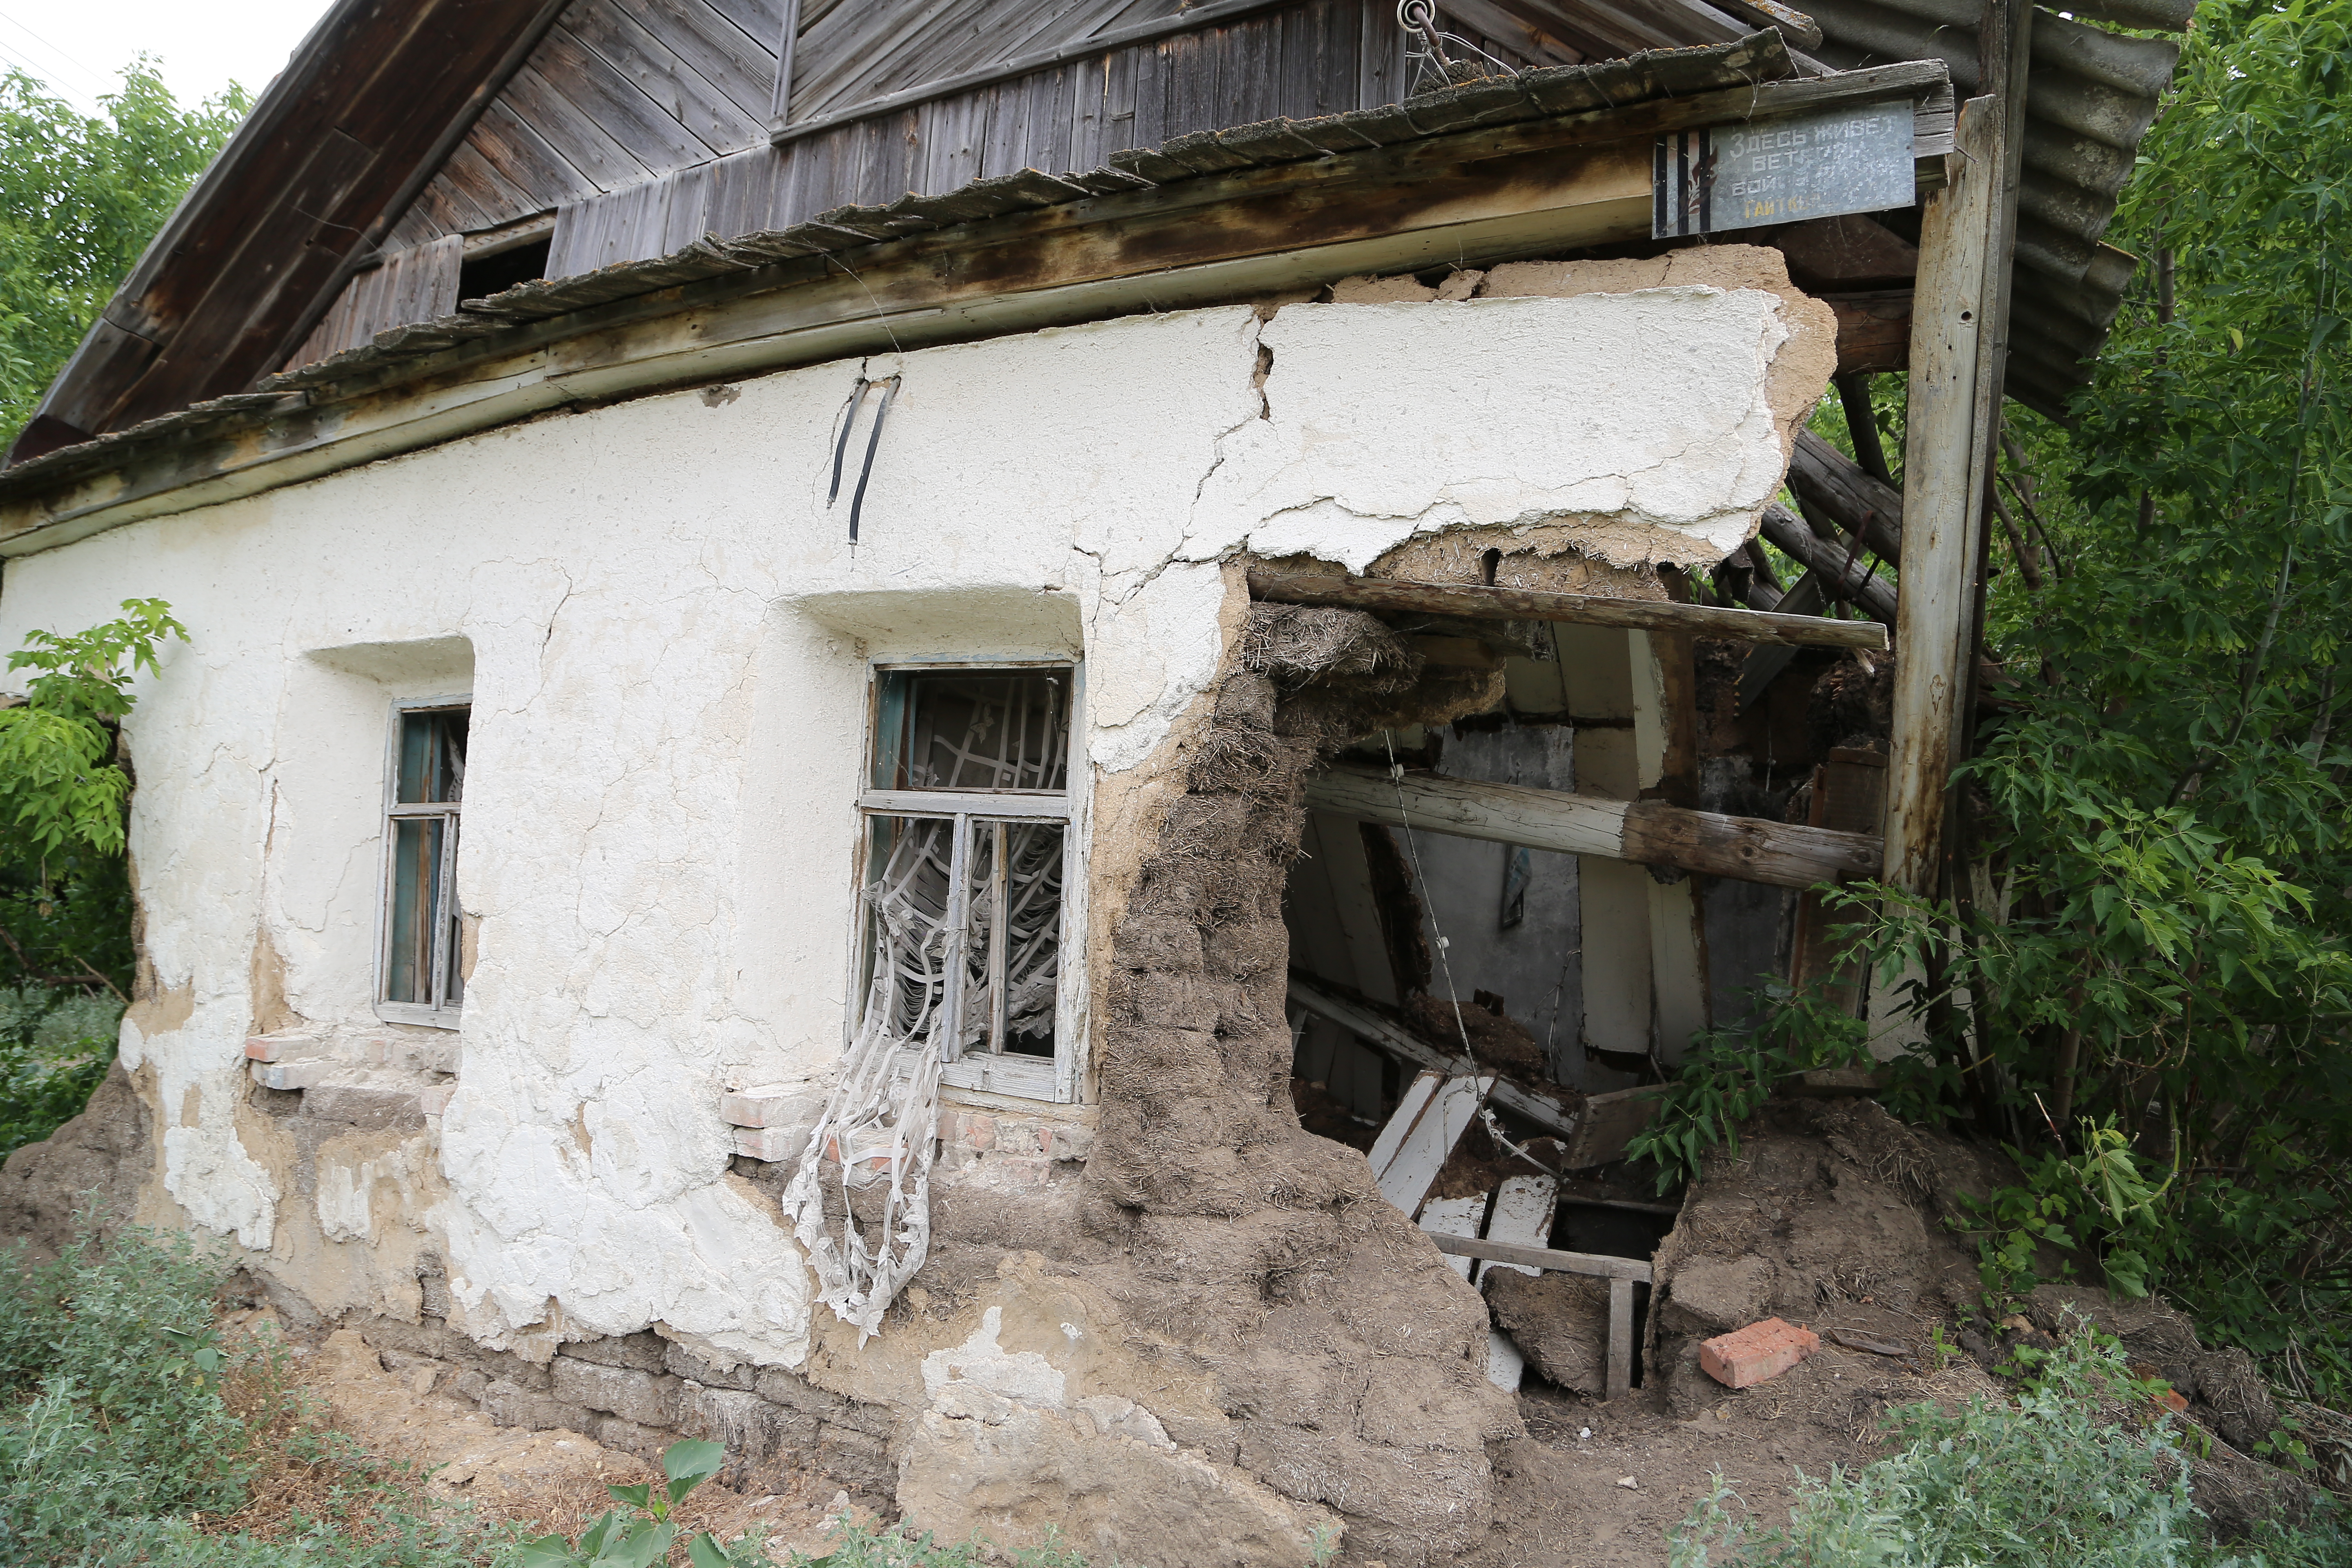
(1432, 65)
(1486, 1080)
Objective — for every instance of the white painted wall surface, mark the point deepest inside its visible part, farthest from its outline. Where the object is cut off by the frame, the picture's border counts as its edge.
(665, 634)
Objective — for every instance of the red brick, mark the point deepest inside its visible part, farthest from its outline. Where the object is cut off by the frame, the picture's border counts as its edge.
(1761, 1351)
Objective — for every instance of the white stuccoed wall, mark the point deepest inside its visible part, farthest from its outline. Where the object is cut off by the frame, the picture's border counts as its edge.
(665, 634)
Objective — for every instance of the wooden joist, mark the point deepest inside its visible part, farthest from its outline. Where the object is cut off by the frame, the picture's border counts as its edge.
(1391, 1040)
(1648, 833)
(1848, 576)
(1598, 1265)
(1828, 481)
(1532, 604)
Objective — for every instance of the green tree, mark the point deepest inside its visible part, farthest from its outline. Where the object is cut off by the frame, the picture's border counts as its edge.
(2159, 954)
(80, 199)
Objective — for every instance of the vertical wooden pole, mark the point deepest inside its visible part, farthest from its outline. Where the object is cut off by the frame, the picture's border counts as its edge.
(1942, 487)
(787, 44)
(1621, 1337)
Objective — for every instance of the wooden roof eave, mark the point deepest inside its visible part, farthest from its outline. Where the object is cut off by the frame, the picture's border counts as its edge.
(1482, 195)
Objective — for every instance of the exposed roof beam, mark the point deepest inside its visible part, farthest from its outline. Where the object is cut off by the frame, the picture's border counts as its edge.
(1649, 832)
(1532, 604)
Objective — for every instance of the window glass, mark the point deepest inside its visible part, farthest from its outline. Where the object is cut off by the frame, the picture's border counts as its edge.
(420, 960)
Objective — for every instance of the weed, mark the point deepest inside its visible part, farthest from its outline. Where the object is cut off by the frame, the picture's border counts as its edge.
(2071, 1474)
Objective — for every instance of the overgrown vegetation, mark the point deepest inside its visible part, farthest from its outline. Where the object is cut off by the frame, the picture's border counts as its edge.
(64, 887)
(2082, 1469)
(80, 198)
(2145, 982)
(131, 1431)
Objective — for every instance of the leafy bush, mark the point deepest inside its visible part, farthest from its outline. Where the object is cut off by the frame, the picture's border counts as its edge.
(2081, 1472)
(54, 1050)
(126, 1420)
(1726, 1075)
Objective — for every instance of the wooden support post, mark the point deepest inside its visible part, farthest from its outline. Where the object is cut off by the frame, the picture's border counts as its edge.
(1940, 502)
(1665, 757)
(1621, 1338)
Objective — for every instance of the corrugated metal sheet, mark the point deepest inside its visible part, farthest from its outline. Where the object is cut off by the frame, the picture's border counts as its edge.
(2091, 95)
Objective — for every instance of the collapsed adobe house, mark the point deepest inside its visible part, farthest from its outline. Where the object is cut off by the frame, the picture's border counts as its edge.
(1274, 613)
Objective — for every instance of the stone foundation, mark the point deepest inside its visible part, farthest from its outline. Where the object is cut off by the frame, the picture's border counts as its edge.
(639, 1393)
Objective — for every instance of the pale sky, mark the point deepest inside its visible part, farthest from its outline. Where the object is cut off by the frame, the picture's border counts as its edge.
(79, 47)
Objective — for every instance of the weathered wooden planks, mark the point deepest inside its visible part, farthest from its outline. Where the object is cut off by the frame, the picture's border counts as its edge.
(414, 285)
(1647, 832)
(291, 209)
(1391, 1040)
(1521, 605)
(1596, 1264)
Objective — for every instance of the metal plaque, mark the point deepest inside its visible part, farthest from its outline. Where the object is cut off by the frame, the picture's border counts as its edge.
(1760, 171)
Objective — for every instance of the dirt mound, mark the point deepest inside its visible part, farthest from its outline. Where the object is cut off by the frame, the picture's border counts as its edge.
(99, 1157)
(1498, 1042)
(1559, 1322)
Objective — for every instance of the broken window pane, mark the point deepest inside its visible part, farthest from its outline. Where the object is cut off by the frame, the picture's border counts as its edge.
(970, 896)
(973, 730)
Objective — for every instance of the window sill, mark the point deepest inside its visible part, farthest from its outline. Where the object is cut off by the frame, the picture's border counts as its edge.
(410, 1013)
(1015, 1077)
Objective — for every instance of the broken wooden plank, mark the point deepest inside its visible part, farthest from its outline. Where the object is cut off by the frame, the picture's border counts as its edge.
(1522, 1216)
(1647, 832)
(1394, 1040)
(1420, 1137)
(1455, 1216)
(1598, 1265)
(1532, 604)
(1621, 1336)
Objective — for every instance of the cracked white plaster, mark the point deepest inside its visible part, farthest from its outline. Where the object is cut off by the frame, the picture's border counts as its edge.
(1637, 420)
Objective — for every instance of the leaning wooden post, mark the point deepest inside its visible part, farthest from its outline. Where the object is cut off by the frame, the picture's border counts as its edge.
(1934, 610)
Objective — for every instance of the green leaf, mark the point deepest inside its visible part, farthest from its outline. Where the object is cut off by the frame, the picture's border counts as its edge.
(689, 1464)
(637, 1494)
(704, 1552)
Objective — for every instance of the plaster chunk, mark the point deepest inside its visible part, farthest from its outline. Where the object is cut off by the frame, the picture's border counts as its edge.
(982, 1363)
(1638, 421)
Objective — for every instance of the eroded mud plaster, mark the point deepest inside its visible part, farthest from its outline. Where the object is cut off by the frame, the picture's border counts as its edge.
(666, 636)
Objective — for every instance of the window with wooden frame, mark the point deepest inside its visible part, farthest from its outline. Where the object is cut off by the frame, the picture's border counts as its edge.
(967, 807)
(419, 977)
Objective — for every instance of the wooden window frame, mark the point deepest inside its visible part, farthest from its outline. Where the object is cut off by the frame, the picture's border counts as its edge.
(446, 957)
(1058, 1079)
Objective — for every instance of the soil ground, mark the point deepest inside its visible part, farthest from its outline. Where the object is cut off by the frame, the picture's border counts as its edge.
(1562, 1493)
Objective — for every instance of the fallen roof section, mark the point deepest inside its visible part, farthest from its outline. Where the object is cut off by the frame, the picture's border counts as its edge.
(1518, 167)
